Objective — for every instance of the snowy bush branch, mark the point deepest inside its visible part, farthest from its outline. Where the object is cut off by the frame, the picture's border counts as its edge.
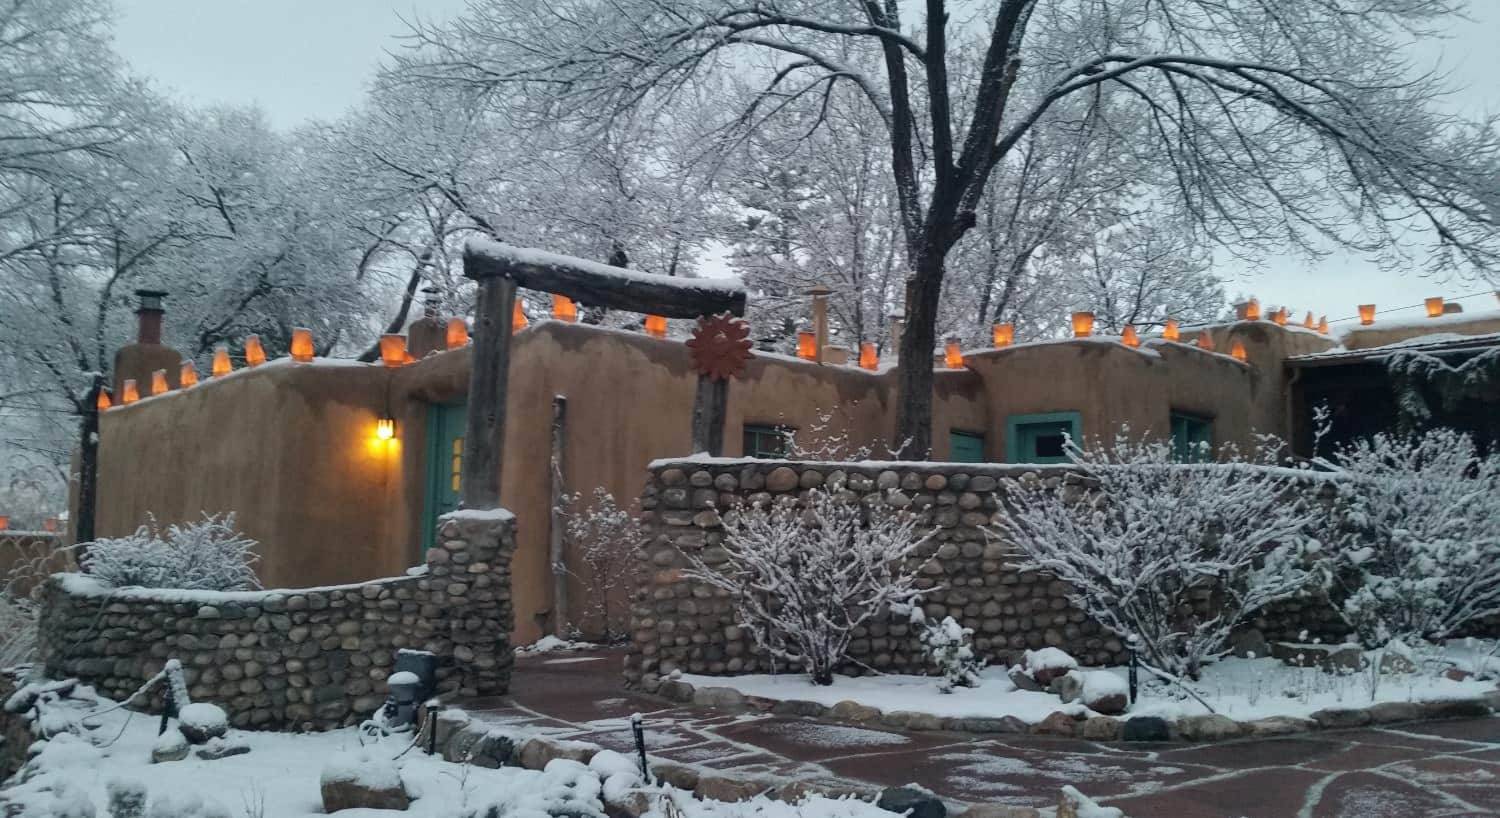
(606, 537)
(1420, 553)
(208, 555)
(805, 576)
(1174, 554)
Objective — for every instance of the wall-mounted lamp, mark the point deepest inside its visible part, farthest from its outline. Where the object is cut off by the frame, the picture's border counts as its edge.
(385, 428)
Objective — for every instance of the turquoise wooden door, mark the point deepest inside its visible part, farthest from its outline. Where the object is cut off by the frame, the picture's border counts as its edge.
(965, 447)
(445, 462)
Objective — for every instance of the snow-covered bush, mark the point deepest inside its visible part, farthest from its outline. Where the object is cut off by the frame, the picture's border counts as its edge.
(950, 647)
(805, 576)
(1175, 554)
(17, 630)
(606, 536)
(207, 555)
(1420, 558)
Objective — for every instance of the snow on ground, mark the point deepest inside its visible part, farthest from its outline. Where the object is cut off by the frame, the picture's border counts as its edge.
(71, 775)
(1242, 689)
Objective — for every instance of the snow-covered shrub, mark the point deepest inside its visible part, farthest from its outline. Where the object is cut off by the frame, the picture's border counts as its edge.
(190, 805)
(17, 630)
(1420, 558)
(207, 555)
(805, 576)
(950, 647)
(1174, 554)
(606, 536)
(127, 798)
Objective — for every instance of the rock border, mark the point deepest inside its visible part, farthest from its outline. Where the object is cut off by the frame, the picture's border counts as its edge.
(1200, 728)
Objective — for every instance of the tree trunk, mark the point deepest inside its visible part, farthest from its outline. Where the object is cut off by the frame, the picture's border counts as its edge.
(919, 338)
(88, 464)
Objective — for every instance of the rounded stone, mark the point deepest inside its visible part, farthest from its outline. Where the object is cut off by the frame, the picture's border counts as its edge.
(782, 478)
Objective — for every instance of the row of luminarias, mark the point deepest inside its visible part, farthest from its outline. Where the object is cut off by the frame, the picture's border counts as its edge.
(393, 351)
(50, 525)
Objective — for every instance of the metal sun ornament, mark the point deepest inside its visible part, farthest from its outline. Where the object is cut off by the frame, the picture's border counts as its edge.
(720, 346)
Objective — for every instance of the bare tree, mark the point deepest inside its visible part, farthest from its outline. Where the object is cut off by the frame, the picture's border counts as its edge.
(1275, 122)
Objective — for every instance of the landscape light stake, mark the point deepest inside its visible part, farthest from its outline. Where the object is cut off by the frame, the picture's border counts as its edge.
(640, 744)
(1133, 646)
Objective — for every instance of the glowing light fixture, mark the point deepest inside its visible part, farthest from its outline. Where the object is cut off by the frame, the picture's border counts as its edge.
(393, 349)
(1367, 314)
(1434, 307)
(222, 365)
(1280, 317)
(563, 308)
(1129, 337)
(1205, 341)
(302, 345)
(807, 345)
(49, 525)
(1237, 350)
(1251, 311)
(1083, 324)
(255, 354)
(952, 356)
(188, 375)
(656, 326)
(1323, 325)
(868, 359)
(1005, 335)
(131, 392)
(385, 428)
(1170, 331)
(517, 319)
(103, 402)
(458, 332)
(1309, 321)
(4, 521)
(159, 384)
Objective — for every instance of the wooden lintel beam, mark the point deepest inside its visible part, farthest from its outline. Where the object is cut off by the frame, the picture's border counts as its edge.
(600, 285)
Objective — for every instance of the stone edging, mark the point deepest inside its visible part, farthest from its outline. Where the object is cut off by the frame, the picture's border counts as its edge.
(1204, 728)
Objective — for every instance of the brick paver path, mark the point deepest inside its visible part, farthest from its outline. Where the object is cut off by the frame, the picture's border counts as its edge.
(1447, 768)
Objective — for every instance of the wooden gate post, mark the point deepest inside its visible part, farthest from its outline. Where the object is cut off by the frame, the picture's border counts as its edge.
(489, 371)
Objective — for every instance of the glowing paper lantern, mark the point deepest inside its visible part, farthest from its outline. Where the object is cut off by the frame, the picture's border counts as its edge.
(1279, 317)
(302, 345)
(1434, 307)
(1309, 321)
(807, 345)
(50, 525)
(1205, 341)
(393, 349)
(656, 326)
(131, 393)
(222, 365)
(517, 319)
(1252, 310)
(1005, 335)
(1083, 324)
(1367, 314)
(868, 359)
(4, 521)
(1170, 331)
(159, 382)
(255, 354)
(1238, 351)
(952, 356)
(1129, 337)
(458, 331)
(563, 308)
(385, 428)
(103, 401)
(1323, 325)
(188, 375)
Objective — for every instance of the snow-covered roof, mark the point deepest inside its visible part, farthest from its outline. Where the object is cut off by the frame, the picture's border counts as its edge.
(1436, 343)
(509, 253)
(1448, 321)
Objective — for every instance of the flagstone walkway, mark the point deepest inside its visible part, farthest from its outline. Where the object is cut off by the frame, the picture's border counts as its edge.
(1449, 768)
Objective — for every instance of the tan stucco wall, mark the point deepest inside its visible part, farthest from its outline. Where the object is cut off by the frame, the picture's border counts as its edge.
(292, 448)
(1378, 334)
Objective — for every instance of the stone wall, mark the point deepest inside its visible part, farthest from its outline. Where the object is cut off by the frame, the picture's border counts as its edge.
(680, 624)
(312, 658)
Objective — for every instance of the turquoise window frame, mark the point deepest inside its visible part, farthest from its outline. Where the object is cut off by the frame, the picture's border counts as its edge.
(756, 431)
(1014, 424)
(955, 435)
(1187, 430)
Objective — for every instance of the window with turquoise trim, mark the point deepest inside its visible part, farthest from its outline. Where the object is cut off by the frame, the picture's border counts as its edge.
(1192, 438)
(965, 447)
(766, 442)
(1041, 438)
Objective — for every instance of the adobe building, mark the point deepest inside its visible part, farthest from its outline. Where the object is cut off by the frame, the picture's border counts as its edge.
(339, 469)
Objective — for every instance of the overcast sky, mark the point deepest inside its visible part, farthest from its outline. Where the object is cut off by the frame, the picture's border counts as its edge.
(306, 59)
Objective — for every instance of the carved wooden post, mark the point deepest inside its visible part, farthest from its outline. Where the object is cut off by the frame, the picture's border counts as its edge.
(710, 405)
(489, 371)
(719, 348)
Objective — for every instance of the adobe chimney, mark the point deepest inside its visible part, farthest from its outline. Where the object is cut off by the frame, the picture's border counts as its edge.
(149, 315)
